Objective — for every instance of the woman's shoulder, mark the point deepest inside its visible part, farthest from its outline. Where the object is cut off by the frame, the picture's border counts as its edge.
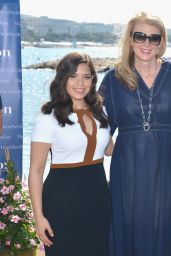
(47, 119)
(169, 64)
(166, 62)
(44, 128)
(110, 73)
(110, 80)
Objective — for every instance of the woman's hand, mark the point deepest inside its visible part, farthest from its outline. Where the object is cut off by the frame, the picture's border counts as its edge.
(43, 228)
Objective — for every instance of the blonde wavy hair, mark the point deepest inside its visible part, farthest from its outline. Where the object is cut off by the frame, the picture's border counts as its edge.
(125, 64)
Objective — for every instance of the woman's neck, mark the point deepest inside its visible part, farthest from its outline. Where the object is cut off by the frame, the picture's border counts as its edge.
(79, 105)
(146, 68)
(148, 71)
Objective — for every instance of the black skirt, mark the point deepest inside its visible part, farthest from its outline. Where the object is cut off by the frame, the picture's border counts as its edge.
(76, 203)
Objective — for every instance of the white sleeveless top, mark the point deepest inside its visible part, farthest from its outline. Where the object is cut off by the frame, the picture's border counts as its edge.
(71, 145)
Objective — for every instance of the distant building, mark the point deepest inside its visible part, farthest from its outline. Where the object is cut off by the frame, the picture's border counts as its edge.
(44, 25)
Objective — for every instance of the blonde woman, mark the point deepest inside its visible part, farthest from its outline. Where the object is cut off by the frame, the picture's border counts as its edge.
(137, 94)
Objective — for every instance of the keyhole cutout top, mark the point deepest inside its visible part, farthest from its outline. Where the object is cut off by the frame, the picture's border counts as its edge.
(88, 126)
(86, 121)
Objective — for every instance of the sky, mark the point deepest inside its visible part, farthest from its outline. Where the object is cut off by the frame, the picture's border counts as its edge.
(104, 11)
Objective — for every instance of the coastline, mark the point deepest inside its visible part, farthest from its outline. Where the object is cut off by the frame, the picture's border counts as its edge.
(101, 64)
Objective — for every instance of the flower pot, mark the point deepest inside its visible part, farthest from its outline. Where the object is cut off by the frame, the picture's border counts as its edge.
(23, 253)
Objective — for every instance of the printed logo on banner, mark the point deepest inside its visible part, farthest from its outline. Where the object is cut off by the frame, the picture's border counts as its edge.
(5, 53)
(7, 111)
(11, 84)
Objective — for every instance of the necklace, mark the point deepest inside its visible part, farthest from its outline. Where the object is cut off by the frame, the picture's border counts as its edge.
(146, 121)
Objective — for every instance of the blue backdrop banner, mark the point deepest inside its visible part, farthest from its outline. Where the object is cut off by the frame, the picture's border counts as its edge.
(11, 84)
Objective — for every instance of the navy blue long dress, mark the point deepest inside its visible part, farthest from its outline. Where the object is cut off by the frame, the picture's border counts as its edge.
(140, 176)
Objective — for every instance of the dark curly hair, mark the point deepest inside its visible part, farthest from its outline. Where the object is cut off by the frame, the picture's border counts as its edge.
(61, 102)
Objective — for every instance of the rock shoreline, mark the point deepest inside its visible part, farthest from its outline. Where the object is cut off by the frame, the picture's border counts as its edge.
(101, 64)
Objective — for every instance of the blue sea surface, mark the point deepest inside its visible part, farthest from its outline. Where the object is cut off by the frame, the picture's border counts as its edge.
(32, 55)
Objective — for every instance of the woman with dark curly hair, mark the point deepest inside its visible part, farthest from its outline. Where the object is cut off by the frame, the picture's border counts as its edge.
(72, 207)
